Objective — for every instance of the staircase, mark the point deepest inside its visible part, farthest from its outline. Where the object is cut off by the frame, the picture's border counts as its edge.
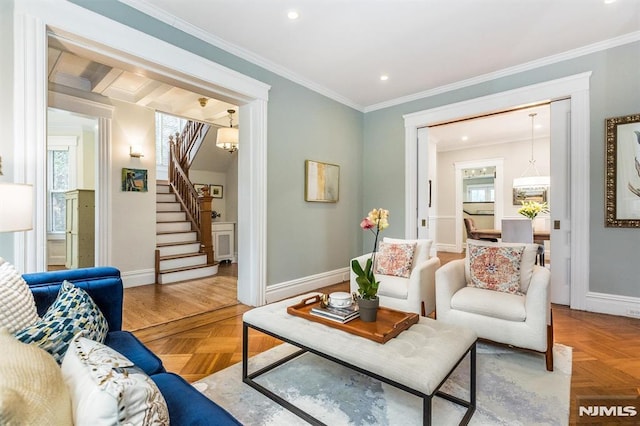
(178, 256)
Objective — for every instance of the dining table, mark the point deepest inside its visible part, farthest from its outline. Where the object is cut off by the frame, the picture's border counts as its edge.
(538, 236)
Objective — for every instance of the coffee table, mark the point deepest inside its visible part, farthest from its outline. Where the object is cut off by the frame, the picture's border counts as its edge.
(419, 360)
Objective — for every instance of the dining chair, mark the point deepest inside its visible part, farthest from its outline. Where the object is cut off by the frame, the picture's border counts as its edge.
(521, 231)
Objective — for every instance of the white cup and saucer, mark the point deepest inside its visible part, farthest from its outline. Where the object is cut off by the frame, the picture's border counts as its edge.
(340, 299)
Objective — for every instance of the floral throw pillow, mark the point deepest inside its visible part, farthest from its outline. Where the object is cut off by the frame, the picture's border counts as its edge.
(395, 259)
(495, 268)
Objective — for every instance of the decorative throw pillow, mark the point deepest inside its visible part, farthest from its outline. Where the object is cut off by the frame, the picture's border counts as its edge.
(17, 307)
(496, 268)
(395, 259)
(526, 265)
(32, 391)
(422, 252)
(71, 312)
(106, 388)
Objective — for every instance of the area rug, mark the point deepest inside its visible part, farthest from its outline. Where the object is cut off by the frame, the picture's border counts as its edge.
(513, 388)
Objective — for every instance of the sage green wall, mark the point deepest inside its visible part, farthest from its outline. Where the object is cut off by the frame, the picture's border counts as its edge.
(615, 91)
(303, 238)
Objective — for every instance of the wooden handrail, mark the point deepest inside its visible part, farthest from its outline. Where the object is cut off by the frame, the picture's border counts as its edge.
(197, 208)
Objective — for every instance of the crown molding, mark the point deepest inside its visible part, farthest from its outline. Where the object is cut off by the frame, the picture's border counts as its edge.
(190, 29)
(548, 60)
(238, 51)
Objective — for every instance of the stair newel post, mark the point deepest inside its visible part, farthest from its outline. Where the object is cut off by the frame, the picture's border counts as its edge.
(206, 242)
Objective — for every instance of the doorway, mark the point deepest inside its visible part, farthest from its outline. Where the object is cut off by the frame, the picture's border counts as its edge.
(71, 156)
(576, 88)
(100, 35)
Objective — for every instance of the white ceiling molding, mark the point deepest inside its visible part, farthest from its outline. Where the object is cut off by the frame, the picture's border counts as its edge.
(238, 51)
(571, 54)
(179, 23)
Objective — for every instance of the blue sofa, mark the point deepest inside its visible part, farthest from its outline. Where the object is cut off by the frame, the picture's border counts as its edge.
(186, 405)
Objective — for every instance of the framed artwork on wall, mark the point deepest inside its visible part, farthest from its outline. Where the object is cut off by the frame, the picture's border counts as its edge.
(134, 180)
(537, 194)
(201, 188)
(622, 178)
(216, 191)
(322, 182)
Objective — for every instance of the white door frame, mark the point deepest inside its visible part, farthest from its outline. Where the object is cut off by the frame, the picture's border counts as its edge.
(576, 87)
(498, 204)
(32, 21)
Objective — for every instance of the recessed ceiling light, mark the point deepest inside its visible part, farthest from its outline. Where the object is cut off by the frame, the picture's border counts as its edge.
(465, 138)
(384, 77)
(609, 1)
(293, 15)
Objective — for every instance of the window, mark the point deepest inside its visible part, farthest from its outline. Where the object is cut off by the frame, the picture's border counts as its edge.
(480, 193)
(61, 170)
(166, 125)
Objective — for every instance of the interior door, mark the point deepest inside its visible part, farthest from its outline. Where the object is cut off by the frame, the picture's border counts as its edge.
(560, 202)
(426, 184)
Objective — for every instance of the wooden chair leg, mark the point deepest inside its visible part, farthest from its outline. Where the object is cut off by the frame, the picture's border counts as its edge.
(422, 308)
(549, 352)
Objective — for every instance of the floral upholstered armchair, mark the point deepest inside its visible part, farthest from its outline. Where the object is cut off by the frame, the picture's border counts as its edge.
(499, 292)
(406, 274)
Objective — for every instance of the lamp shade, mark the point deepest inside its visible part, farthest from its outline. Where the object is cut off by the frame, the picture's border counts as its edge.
(531, 182)
(227, 138)
(16, 207)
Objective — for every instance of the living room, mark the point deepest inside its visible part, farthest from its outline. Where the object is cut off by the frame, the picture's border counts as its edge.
(367, 143)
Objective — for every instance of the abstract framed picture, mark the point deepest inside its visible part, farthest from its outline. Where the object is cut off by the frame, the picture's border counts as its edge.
(322, 182)
(216, 191)
(134, 180)
(622, 178)
(200, 188)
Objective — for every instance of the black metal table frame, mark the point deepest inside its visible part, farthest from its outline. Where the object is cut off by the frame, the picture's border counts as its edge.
(427, 399)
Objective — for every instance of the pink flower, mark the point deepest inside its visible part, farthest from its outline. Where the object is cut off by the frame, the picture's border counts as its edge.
(367, 223)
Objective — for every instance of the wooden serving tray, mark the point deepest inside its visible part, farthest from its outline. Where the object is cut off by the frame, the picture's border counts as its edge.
(389, 322)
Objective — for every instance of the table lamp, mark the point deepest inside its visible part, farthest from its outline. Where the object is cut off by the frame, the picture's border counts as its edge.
(16, 207)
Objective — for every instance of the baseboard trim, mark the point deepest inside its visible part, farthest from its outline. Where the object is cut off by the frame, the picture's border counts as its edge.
(138, 278)
(451, 248)
(292, 288)
(612, 304)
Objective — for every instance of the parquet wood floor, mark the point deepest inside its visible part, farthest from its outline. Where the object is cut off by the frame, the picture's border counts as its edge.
(605, 347)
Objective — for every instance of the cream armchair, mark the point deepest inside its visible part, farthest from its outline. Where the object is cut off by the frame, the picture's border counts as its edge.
(413, 294)
(520, 320)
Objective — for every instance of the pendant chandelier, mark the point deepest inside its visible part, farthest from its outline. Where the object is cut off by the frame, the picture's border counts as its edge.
(227, 137)
(530, 178)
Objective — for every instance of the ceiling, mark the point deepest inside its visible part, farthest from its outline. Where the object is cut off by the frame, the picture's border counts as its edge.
(342, 47)
(87, 75)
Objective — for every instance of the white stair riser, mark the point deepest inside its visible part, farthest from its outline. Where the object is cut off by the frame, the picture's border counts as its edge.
(166, 198)
(173, 226)
(162, 189)
(170, 216)
(168, 207)
(183, 262)
(176, 238)
(191, 274)
(179, 249)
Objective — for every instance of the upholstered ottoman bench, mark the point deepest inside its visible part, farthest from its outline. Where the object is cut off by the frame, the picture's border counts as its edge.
(419, 360)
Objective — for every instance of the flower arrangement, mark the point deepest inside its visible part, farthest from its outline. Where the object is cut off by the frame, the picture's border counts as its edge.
(375, 222)
(531, 209)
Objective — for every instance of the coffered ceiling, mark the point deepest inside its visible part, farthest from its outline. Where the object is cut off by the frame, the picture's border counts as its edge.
(93, 76)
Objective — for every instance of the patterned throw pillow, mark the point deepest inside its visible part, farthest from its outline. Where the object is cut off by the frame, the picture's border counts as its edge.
(106, 388)
(72, 311)
(495, 268)
(395, 259)
(17, 307)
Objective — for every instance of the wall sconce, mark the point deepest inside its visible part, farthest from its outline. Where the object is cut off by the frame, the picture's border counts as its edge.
(136, 151)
